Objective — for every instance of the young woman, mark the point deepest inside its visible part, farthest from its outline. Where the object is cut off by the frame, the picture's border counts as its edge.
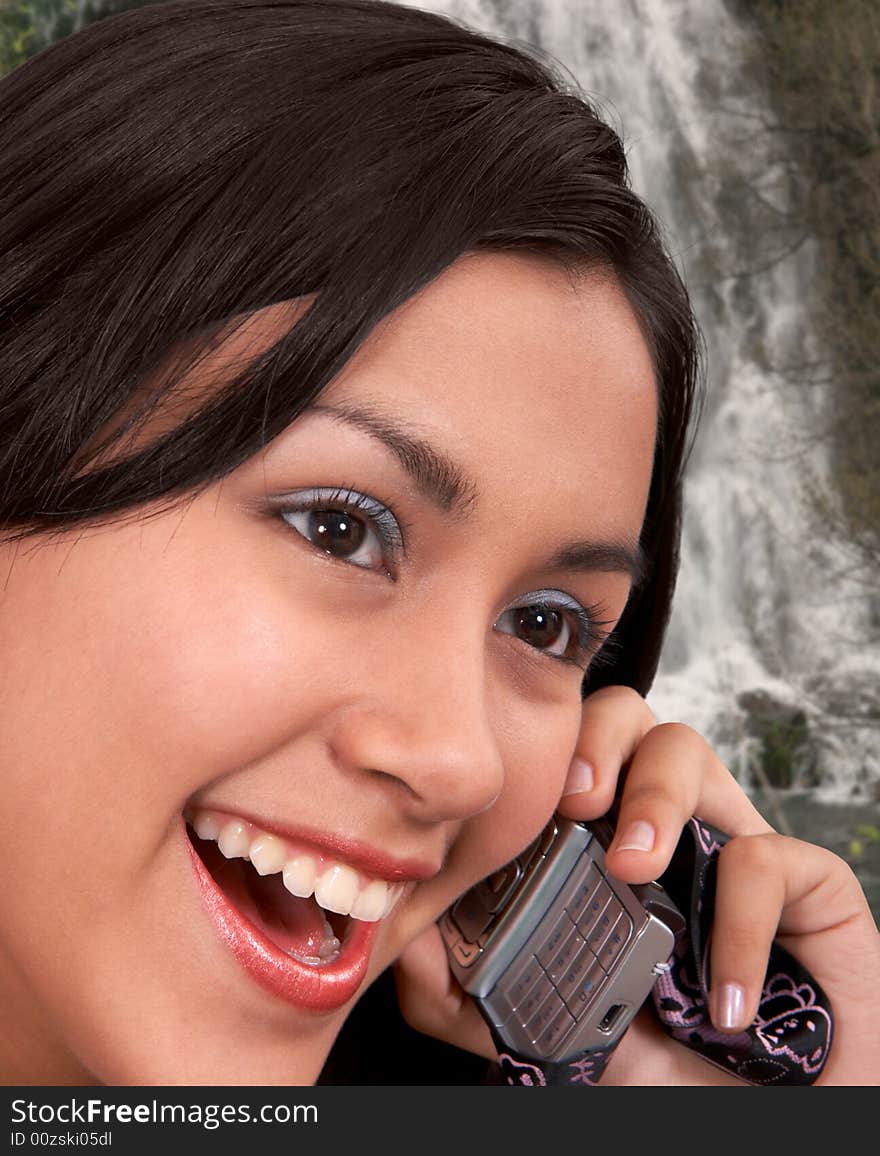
(346, 391)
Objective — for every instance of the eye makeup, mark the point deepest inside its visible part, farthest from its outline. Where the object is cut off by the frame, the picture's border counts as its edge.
(345, 509)
(336, 519)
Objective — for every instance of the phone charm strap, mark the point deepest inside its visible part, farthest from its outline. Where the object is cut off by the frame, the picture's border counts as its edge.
(585, 1069)
(789, 1039)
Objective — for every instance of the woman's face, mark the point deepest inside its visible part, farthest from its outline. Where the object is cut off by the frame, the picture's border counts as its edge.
(392, 711)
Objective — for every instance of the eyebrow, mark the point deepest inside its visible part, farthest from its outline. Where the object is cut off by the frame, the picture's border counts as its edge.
(442, 482)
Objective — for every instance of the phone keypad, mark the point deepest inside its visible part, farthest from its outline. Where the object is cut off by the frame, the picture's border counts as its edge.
(523, 982)
(530, 1005)
(557, 943)
(577, 987)
(604, 922)
(586, 915)
(547, 961)
(615, 942)
(574, 947)
(557, 1029)
(565, 957)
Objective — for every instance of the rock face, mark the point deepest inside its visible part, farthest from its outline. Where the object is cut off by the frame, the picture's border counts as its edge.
(826, 738)
(782, 741)
(847, 733)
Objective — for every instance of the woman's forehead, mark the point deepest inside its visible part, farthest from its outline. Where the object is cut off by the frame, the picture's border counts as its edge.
(501, 348)
(506, 385)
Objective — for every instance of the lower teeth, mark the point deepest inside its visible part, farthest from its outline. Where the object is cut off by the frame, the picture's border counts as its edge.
(327, 952)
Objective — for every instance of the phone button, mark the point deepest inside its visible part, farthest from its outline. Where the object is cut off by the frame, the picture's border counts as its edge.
(531, 1005)
(544, 1016)
(449, 930)
(583, 893)
(599, 900)
(580, 991)
(518, 986)
(471, 916)
(566, 956)
(530, 853)
(604, 924)
(495, 890)
(555, 1032)
(499, 879)
(556, 938)
(618, 937)
(466, 952)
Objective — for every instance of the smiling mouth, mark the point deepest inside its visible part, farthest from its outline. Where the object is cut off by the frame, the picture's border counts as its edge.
(299, 920)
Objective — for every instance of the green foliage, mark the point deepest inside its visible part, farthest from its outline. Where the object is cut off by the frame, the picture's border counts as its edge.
(865, 833)
(29, 26)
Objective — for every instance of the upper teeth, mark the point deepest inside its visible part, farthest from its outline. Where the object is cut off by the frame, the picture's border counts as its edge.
(335, 886)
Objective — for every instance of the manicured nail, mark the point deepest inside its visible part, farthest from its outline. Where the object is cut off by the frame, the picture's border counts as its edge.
(730, 1003)
(580, 778)
(639, 836)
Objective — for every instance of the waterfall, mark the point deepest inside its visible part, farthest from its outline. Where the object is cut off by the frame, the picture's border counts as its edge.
(763, 654)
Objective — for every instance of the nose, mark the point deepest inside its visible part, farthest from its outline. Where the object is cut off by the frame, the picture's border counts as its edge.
(421, 718)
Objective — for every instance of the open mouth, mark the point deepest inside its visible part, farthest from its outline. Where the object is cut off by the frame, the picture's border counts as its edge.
(298, 919)
(296, 925)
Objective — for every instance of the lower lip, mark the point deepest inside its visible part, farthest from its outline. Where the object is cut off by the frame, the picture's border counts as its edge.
(320, 989)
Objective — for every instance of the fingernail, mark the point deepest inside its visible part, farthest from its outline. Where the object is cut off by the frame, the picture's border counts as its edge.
(730, 1002)
(639, 836)
(580, 778)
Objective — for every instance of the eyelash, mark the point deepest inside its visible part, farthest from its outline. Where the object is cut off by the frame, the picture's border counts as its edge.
(588, 629)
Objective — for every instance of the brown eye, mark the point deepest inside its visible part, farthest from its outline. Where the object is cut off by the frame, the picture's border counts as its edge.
(539, 625)
(337, 532)
(561, 630)
(347, 525)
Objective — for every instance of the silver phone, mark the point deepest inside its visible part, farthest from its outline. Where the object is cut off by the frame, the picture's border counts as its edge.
(557, 954)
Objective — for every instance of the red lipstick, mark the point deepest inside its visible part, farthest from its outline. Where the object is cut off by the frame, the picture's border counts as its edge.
(351, 851)
(322, 988)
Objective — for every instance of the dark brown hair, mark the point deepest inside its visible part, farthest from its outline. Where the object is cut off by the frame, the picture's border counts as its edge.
(171, 168)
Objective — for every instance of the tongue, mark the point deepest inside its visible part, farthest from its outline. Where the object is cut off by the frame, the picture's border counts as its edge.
(298, 927)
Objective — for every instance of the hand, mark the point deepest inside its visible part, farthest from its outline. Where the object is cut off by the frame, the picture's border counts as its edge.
(768, 886)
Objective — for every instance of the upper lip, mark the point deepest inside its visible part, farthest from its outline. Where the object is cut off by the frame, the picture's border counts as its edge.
(369, 860)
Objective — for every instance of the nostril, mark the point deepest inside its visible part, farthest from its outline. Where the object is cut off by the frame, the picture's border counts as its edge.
(395, 782)
(448, 761)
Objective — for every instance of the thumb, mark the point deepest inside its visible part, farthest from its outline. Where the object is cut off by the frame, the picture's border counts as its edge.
(432, 1001)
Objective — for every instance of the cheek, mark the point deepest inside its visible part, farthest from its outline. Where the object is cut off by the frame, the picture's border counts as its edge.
(537, 755)
(214, 675)
(123, 692)
(223, 674)
(537, 761)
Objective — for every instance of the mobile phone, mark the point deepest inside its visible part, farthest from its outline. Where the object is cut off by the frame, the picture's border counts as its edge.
(557, 954)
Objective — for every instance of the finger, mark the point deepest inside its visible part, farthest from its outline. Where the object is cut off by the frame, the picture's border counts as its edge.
(614, 720)
(431, 1001)
(674, 775)
(763, 880)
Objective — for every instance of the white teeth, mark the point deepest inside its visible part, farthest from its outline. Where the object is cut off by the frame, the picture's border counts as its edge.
(337, 889)
(371, 903)
(395, 890)
(234, 840)
(336, 886)
(300, 875)
(268, 854)
(206, 826)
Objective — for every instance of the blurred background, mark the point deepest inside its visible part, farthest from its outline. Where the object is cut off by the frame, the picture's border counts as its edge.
(753, 130)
